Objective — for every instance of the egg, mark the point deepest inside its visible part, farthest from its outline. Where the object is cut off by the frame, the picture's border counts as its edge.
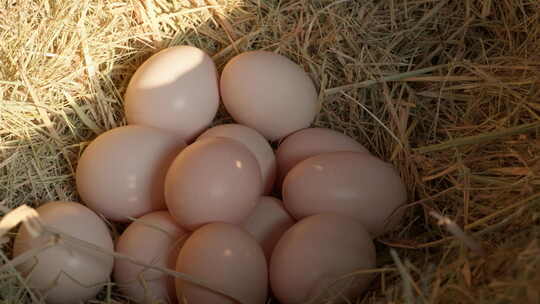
(225, 257)
(313, 256)
(255, 143)
(155, 239)
(121, 173)
(66, 272)
(309, 142)
(176, 89)
(269, 93)
(347, 183)
(268, 222)
(215, 179)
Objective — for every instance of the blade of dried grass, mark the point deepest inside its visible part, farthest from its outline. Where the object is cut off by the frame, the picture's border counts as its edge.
(24, 286)
(481, 138)
(532, 200)
(453, 228)
(407, 280)
(396, 77)
(16, 216)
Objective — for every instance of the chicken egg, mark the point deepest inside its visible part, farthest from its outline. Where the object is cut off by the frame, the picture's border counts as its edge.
(309, 142)
(155, 239)
(269, 93)
(313, 256)
(227, 258)
(122, 172)
(176, 89)
(256, 143)
(66, 272)
(268, 222)
(347, 183)
(215, 179)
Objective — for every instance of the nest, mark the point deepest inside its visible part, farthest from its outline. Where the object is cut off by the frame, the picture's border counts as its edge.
(448, 91)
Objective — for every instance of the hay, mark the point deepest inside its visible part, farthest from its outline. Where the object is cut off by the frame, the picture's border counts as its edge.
(448, 91)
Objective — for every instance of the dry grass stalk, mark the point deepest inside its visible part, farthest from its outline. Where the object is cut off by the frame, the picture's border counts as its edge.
(453, 228)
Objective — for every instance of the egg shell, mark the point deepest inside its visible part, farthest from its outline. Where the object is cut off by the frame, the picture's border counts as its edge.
(314, 253)
(347, 183)
(310, 142)
(155, 239)
(255, 143)
(268, 222)
(269, 93)
(176, 89)
(225, 257)
(213, 180)
(66, 272)
(121, 173)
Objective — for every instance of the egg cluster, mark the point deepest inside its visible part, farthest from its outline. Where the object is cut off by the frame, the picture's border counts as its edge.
(206, 209)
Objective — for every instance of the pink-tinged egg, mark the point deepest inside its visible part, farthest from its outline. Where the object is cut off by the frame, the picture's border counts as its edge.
(255, 143)
(310, 142)
(317, 251)
(227, 258)
(347, 183)
(176, 89)
(121, 173)
(268, 222)
(66, 272)
(269, 93)
(154, 239)
(215, 179)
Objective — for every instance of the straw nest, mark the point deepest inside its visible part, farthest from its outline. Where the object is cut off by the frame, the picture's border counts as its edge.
(448, 91)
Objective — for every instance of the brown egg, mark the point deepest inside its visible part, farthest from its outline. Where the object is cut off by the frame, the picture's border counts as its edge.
(213, 180)
(255, 143)
(176, 89)
(269, 93)
(227, 258)
(317, 251)
(347, 183)
(310, 142)
(155, 239)
(268, 222)
(121, 173)
(67, 272)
